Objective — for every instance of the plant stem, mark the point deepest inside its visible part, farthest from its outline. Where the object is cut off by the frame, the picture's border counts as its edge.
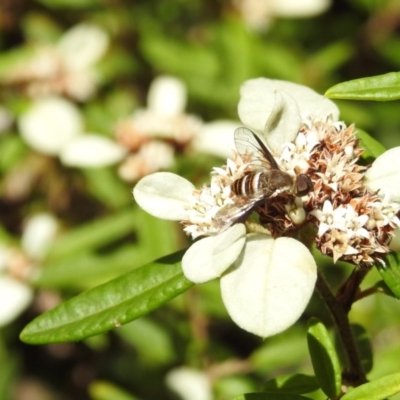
(349, 292)
(355, 375)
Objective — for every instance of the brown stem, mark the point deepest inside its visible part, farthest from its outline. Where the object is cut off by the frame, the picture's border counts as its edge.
(354, 375)
(349, 291)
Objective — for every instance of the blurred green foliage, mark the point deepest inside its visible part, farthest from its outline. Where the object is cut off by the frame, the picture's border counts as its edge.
(208, 45)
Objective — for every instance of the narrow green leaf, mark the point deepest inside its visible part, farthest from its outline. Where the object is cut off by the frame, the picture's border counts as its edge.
(94, 234)
(391, 272)
(363, 344)
(378, 389)
(86, 270)
(372, 148)
(269, 396)
(292, 384)
(102, 390)
(379, 88)
(103, 183)
(152, 342)
(324, 358)
(110, 305)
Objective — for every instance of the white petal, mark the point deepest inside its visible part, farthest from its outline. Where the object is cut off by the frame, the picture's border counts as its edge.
(216, 138)
(39, 232)
(83, 45)
(297, 9)
(14, 298)
(284, 121)
(164, 195)
(384, 174)
(394, 243)
(167, 96)
(209, 257)
(49, 124)
(257, 101)
(269, 287)
(189, 383)
(91, 150)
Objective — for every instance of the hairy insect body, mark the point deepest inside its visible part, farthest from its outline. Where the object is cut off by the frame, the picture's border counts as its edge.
(255, 187)
(262, 183)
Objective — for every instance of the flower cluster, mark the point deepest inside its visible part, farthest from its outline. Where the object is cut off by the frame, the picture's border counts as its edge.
(267, 276)
(153, 135)
(19, 265)
(65, 68)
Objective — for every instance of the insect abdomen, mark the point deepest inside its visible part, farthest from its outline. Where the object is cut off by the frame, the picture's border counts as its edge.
(249, 185)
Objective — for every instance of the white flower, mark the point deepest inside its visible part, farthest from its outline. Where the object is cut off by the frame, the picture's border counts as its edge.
(54, 126)
(330, 218)
(189, 384)
(165, 120)
(264, 275)
(276, 109)
(165, 115)
(66, 67)
(258, 13)
(216, 138)
(15, 297)
(384, 175)
(17, 266)
(151, 157)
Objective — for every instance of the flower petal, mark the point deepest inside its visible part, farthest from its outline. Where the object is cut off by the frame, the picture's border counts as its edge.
(39, 232)
(167, 96)
(164, 195)
(269, 287)
(384, 174)
(216, 138)
(257, 101)
(49, 124)
(91, 150)
(209, 257)
(298, 9)
(284, 121)
(14, 298)
(189, 383)
(83, 45)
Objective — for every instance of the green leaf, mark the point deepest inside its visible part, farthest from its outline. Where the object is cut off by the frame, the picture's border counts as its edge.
(279, 351)
(102, 390)
(152, 342)
(324, 358)
(103, 183)
(364, 346)
(182, 59)
(269, 396)
(72, 4)
(379, 88)
(94, 234)
(391, 272)
(86, 270)
(10, 369)
(378, 389)
(292, 384)
(110, 305)
(372, 148)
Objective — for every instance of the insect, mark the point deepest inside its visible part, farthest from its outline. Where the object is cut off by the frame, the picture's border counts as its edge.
(253, 188)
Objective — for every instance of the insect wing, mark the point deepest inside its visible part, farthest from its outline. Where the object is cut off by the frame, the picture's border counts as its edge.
(231, 213)
(248, 144)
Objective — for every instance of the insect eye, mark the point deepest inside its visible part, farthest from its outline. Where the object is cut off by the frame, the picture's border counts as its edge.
(303, 185)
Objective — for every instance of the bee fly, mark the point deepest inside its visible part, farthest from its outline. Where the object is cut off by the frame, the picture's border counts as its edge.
(254, 187)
